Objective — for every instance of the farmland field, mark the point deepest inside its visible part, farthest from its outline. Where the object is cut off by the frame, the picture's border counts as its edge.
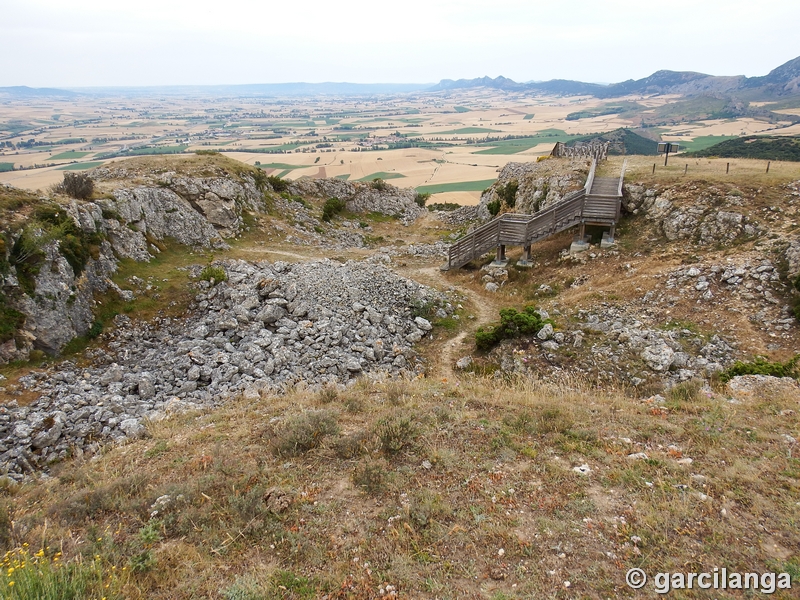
(80, 166)
(452, 144)
(6, 166)
(69, 155)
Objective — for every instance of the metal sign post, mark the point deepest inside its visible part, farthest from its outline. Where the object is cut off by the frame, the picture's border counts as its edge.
(666, 148)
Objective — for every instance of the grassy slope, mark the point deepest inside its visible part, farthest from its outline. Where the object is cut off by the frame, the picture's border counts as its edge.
(501, 455)
(355, 517)
(754, 147)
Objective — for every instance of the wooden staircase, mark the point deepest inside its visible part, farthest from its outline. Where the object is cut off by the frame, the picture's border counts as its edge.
(598, 203)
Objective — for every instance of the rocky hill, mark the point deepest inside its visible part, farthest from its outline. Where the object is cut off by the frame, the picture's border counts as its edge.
(340, 420)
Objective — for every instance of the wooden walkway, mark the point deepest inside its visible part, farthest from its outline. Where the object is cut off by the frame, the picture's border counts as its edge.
(598, 203)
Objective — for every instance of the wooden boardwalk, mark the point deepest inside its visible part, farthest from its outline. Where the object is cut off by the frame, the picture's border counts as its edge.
(598, 203)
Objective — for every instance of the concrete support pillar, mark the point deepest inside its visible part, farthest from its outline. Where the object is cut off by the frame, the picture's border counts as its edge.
(500, 259)
(526, 260)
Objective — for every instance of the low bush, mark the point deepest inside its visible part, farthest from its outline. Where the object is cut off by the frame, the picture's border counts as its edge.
(332, 207)
(421, 198)
(278, 184)
(761, 366)
(512, 324)
(78, 185)
(378, 184)
(395, 434)
(213, 274)
(493, 207)
(370, 478)
(303, 432)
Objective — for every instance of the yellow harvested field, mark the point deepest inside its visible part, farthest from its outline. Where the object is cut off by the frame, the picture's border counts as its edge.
(424, 139)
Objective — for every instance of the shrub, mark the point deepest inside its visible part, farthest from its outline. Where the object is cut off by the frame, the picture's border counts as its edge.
(378, 184)
(395, 434)
(760, 366)
(508, 193)
(303, 432)
(214, 274)
(421, 198)
(278, 184)
(445, 206)
(512, 324)
(370, 478)
(332, 207)
(493, 207)
(10, 320)
(206, 152)
(78, 185)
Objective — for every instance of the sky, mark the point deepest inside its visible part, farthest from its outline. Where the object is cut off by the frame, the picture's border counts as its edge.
(53, 43)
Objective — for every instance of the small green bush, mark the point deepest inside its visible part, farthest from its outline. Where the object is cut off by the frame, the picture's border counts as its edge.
(761, 366)
(508, 193)
(10, 320)
(512, 324)
(332, 207)
(421, 198)
(378, 184)
(215, 274)
(278, 184)
(493, 207)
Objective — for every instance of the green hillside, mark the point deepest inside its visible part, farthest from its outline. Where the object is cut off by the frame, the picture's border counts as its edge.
(759, 147)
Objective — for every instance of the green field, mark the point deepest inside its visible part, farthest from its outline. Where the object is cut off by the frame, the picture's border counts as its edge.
(382, 175)
(460, 186)
(547, 136)
(460, 109)
(69, 155)
(286, 166)
(4, 166)
(158, 150)
(468, 130)
(704, 141)
(283, 173)
(528, 117)
(344, 177)
(80, 166)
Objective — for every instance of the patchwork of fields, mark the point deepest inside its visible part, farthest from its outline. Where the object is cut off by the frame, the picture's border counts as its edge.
(451, 144)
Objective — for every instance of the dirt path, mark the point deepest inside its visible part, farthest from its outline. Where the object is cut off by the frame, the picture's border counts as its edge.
(485, 310)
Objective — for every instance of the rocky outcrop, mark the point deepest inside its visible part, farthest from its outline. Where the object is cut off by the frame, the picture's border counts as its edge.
(540, 184)
(268, 327)
(706, 220)
(363, 197)
(157, 214)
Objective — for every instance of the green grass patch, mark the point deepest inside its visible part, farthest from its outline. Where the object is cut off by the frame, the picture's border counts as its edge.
(284, 173)
(702, 142)
(4, 166)
(344, 177)
(755, 147)
(69, 155)
(382, 175)
(468, 130)
(528, 117)
(459, 186)
(460, 109)
(81, 166)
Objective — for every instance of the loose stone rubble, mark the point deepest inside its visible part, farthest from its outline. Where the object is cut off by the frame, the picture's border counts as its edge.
(270, 326)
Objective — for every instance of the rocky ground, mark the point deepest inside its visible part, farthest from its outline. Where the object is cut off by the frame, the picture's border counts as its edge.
(268, 327)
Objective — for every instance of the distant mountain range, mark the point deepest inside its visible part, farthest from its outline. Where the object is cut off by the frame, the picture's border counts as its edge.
(780, 82)
(22, 91)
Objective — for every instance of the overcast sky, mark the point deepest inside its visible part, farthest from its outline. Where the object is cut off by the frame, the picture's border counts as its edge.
(173, 42)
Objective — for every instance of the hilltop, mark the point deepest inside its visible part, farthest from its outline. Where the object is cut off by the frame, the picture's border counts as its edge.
(285, 396)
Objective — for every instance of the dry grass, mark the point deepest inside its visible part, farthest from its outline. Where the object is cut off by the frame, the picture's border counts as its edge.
(434, 480)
